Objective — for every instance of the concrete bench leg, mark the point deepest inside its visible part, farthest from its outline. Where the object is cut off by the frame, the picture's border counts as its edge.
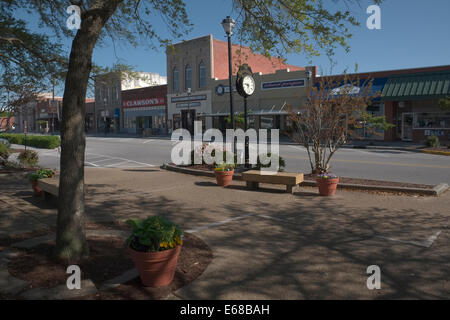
(252, 185)
(290, 189)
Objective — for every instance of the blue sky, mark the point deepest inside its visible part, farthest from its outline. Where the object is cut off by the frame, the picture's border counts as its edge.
(414, 34)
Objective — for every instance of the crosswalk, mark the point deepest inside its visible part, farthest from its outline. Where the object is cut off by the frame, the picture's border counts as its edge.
(104, 161)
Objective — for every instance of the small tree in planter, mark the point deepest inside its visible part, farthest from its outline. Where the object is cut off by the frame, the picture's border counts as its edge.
(154, 247)
(332, 113)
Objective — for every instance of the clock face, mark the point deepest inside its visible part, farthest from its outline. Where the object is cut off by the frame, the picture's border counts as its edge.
(248, 84)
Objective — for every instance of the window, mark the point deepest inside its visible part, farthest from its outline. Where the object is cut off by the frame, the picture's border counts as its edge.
(432, 120)
(176, 79)
(202, 75)
(188, 77)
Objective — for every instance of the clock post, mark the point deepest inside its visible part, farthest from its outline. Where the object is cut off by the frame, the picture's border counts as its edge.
(245, 85)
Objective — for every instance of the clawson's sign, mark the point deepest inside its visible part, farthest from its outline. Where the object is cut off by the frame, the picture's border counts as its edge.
(143, 102)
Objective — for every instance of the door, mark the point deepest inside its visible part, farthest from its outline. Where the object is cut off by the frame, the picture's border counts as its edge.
(407, 125)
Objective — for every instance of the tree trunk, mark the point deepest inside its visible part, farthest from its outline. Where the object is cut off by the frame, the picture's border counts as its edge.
(71, 242)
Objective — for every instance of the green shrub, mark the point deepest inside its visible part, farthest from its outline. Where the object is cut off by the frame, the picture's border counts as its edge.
(4, 153)
(41, 174)
(153, 234)
(281, 163)
(28, 158)
(38, 141)
(432, 141)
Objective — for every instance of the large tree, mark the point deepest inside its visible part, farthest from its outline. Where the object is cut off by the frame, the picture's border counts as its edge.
(268, 26)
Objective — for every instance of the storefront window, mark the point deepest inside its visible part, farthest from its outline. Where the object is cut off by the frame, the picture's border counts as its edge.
(432, 120)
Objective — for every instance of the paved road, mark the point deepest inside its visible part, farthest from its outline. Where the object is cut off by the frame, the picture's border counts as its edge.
(394, 165)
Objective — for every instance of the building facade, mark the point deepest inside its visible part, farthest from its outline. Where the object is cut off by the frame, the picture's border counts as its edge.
(409, 99)
(108, 112)
(197, 67)
(276, 95)
(145, 110)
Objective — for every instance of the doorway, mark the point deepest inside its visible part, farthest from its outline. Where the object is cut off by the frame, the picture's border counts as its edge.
(407, 126)
(187, 120)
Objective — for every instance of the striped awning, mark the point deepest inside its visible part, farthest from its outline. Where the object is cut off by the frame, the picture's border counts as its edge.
(417, 87)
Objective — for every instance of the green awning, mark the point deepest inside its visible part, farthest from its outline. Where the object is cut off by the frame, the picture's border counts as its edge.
(417, 87)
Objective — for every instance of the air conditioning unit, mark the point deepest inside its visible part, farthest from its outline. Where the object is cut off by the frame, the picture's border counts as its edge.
(401, 104)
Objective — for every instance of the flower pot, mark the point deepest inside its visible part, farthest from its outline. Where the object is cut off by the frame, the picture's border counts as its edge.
(224, 177)
(327, 187)
(156, 269)
(36, 189)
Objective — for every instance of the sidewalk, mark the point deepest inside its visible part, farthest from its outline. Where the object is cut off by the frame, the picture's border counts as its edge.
(268, 244)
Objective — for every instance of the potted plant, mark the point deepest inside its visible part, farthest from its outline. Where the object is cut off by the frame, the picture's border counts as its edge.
(154, 246)
(224, 174)
(39, 174)
(327, 183)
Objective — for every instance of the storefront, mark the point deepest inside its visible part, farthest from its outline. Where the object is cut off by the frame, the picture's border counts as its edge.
(145, 110)
(412, 104)
(275, 96)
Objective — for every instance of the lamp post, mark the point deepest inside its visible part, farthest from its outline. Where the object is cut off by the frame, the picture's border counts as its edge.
(188, 116)
(104, 114)
(228, 26)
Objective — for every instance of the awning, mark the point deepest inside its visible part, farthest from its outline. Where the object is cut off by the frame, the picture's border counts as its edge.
(417, 87)
(252, 110)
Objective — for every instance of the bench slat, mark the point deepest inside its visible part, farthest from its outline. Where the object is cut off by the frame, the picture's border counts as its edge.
(286, 178)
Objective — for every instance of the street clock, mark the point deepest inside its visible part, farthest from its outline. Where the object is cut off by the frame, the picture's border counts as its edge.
(245, 83)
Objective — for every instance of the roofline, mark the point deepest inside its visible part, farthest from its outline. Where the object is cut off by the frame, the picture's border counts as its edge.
(393, 72)
(135, 89)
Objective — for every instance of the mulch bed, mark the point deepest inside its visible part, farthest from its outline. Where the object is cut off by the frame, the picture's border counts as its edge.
(108, 258)
(311, 177)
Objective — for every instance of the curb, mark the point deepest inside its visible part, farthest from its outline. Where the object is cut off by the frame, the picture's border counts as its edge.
(440, 153)
(435, 191)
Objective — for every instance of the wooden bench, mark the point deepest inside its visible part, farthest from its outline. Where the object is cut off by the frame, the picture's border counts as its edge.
(254, 177)
(49, 187)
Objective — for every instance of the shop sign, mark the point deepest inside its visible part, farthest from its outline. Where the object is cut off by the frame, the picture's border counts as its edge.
(189, 105)
(221, 89)
(437, 133)
(189, 98)
(283, 84)
(116, 113)
(143, 102)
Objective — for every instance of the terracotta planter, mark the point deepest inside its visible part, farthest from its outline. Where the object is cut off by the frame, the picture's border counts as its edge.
(224, 177)
(327, 187)
(37, 190)
(156, 269)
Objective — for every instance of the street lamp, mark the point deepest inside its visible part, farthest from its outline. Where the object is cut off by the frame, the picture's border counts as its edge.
(104, 114)
(188, 118)
(228, 26)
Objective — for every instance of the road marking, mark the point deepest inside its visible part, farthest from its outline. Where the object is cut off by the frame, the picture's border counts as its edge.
(113, 158)
(94, 165)
(425, 243)
(149, 140)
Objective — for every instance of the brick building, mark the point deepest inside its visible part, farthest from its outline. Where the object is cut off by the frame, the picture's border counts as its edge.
(145, 110)
(195, 68)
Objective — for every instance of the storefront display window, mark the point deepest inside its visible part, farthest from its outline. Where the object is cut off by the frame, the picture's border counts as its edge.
(432, 120)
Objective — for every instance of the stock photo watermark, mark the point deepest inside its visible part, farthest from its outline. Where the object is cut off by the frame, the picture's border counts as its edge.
(74, 280)
(74, 20)
(374, 280)
(374, 20)
(187, 151)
